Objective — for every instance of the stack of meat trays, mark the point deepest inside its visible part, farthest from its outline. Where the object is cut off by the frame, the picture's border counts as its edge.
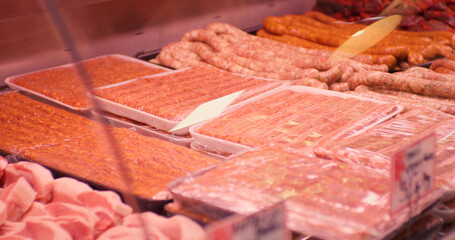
(325, 199)
(294, 119)
(64, 85)
(163, 100)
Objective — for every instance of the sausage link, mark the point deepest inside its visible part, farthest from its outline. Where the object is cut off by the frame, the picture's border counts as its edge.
(444, 70)
(409, 84)
(310, 82)
(446, 63)
(339, 86)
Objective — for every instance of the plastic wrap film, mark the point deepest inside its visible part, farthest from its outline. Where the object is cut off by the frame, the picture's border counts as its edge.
(324, 198)
(173, 96)
(375, 147)
(293, 119)
(74, 145)
(63, 84)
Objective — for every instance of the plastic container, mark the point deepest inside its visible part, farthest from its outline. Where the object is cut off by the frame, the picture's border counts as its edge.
(221, 145)
(323, 198)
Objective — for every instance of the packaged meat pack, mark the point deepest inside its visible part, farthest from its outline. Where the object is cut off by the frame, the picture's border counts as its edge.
(64, 84)
(293, 119)
(375, 147)
(323, 198)
(77, 146)
(144, 129)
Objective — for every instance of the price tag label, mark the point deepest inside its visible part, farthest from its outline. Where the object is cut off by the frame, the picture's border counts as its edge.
(413, 172)
(267, 224)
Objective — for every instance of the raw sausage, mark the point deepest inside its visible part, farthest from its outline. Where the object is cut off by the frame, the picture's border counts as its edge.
(409, 84)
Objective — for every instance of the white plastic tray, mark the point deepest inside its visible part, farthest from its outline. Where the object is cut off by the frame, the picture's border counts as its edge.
(153, 120)
(10, 80)
(220, 145)
(142, 129)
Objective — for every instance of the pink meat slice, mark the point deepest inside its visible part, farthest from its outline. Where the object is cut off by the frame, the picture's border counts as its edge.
(76, 228)
(36, 210)
(177, 227)
(42, 230)
(3, 212)
(36, 175)
(151, 220)
(14, 238)
(9, 228)
(187, 228)
(121, 209)
(131, 233)
(18, 198)
(78, 221)
(107, 205)
(66, 189)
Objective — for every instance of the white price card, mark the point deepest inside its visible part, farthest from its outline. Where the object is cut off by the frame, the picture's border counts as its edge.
(413, 172)
(267, 224)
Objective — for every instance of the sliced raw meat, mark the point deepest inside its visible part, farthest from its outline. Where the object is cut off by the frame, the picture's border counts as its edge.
(37, 210)
(107, 205)
(3, 212)
(186, 228)
(36, 175)
(18, 198)
(76, 228)
(147, 218)
(59, 209)
(78, 221)
(151, 220)
(42, 230)
(132, 233)
(177, 227)
(14, 238)
(66, 189)
(116, 203)
(11, 228)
